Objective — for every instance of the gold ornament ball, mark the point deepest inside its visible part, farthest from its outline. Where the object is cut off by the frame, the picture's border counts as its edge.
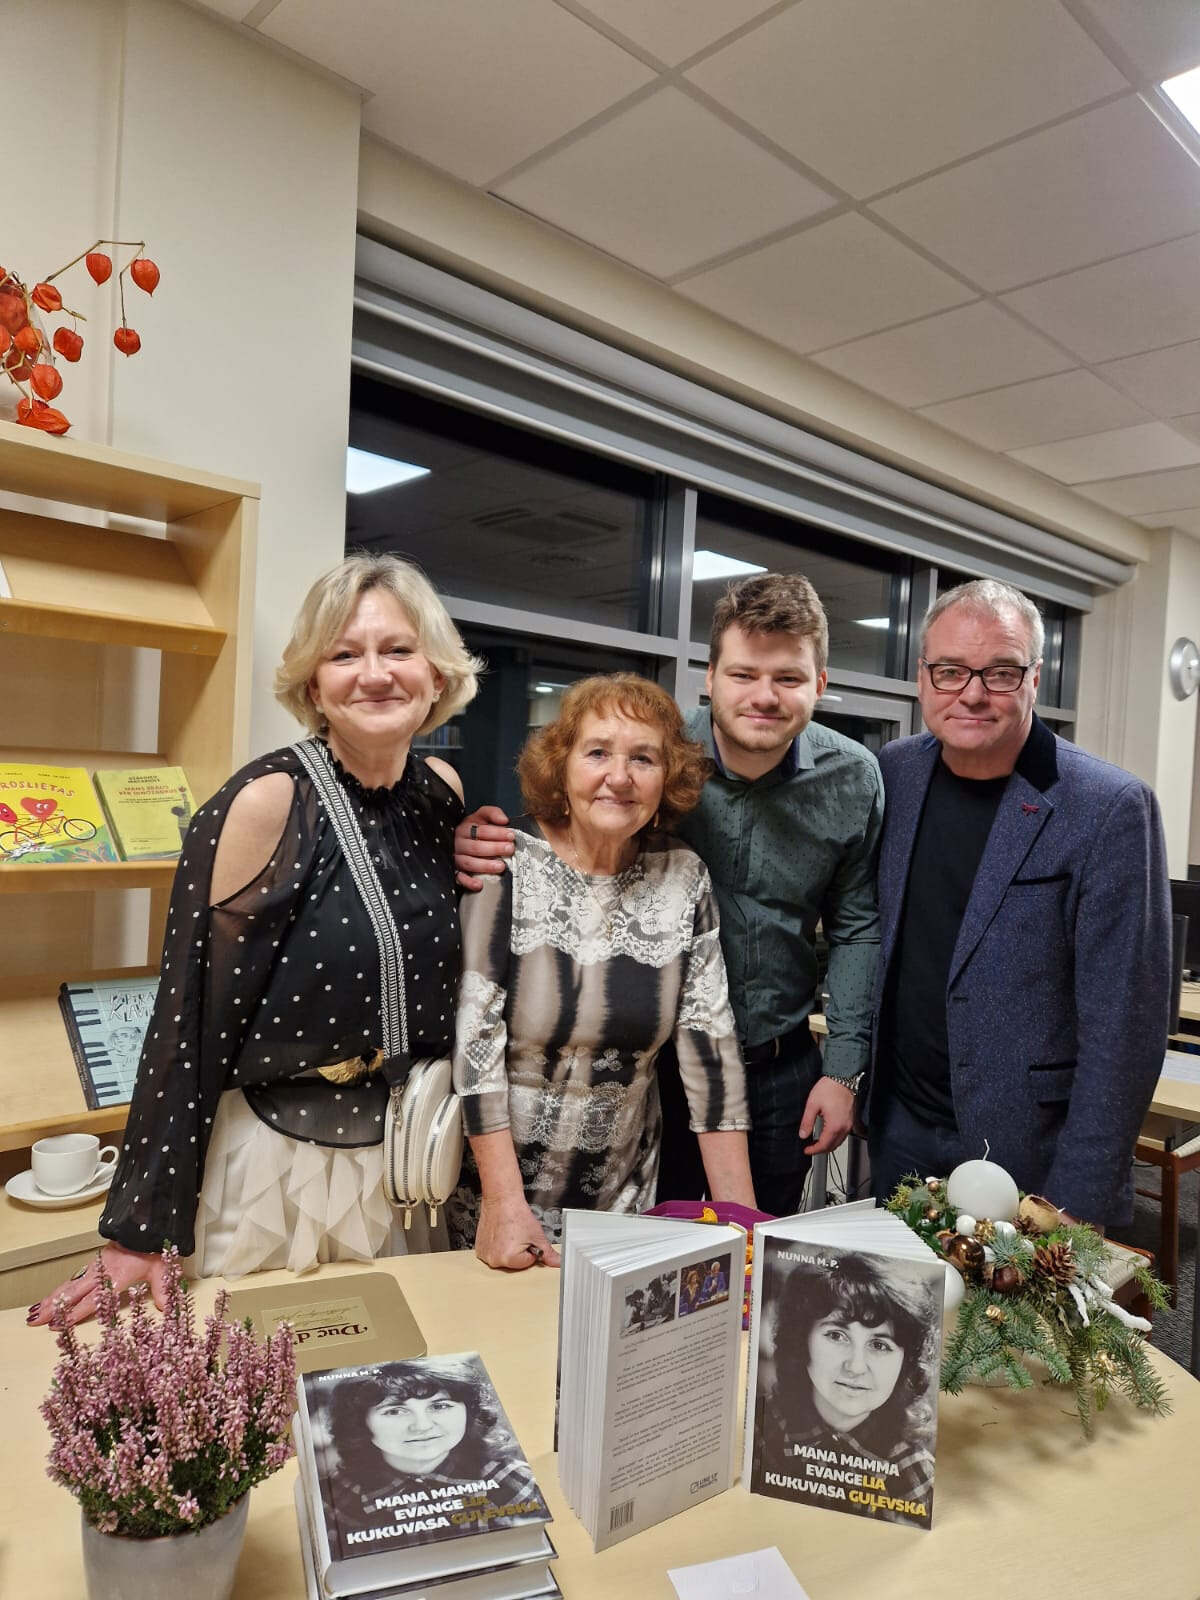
(994, 1314)
(932, 1213)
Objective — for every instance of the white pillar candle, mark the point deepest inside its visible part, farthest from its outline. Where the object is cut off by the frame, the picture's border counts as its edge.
(983, 1189)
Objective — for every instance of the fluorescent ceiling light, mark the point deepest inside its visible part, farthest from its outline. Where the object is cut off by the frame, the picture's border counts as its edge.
(366, 472)
(548, 688)
(1185, 92)
(873, 622)
(708, 564)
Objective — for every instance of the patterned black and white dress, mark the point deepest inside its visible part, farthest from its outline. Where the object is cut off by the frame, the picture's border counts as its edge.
(258, 993)
(571, 985)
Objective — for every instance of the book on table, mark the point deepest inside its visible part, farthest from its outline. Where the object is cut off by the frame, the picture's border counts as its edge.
(413, 1474)
(106, 1024)
(361, 1317)
(649, 1351)
(531, 1578)
(845, 1355)
(50, 816)
(148, 810)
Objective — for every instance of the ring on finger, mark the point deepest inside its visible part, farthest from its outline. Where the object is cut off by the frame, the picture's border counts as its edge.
(474, 831)
(534, 1250)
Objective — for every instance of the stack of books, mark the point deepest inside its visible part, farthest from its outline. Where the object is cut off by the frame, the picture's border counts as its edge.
(412, 1483)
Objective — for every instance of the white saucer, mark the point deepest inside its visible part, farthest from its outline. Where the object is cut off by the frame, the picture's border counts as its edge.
(22, 1188)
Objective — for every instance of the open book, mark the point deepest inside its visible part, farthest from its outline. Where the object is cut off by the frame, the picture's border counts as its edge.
(649, 1343)
(845, 1352)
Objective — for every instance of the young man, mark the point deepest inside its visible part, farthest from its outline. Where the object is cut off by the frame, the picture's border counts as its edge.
(788, 825)
(1024, 974)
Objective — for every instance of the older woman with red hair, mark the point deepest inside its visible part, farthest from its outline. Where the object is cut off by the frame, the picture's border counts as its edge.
(597, 946)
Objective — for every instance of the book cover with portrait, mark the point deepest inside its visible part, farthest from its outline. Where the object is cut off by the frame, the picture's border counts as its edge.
(845, 1357)
(413, 1473)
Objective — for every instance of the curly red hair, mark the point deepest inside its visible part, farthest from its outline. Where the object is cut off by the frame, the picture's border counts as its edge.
(542, 764)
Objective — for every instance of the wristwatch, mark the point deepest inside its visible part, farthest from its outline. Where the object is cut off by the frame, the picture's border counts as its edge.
(850, 1083)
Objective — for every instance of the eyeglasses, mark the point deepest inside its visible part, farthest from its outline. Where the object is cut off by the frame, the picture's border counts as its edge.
(1003, 679)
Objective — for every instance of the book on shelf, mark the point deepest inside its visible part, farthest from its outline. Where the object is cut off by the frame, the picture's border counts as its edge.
(649, 1353)
(148, 810)
(50, 816)
(529, 1579)
(362, 1317)
(106, 1023)
(845, 1355)
(413, 1475)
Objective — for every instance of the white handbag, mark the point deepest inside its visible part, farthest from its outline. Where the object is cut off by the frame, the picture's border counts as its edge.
(423, 1127)
(423, 1139)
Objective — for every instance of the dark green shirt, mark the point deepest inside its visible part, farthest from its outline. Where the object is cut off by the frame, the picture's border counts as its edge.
(786, 851)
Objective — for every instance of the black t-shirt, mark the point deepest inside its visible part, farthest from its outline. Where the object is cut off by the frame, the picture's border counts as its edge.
(951, 837)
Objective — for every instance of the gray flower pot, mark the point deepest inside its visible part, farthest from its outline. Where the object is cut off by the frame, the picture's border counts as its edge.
(184, 1566)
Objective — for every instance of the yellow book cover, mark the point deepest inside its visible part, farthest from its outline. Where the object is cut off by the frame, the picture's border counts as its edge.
(148, 810)
(51, 815)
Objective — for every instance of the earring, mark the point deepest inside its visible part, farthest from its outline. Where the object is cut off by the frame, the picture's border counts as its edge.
(566, 811)
(654, 823)
(437, 695)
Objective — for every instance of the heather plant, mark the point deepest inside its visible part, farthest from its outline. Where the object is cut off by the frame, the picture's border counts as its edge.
(157, 1429)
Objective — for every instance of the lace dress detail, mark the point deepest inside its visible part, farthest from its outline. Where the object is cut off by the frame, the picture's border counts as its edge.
(571, 986)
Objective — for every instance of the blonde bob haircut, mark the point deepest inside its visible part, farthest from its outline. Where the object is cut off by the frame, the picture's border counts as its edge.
(542, 764)
(327, 608)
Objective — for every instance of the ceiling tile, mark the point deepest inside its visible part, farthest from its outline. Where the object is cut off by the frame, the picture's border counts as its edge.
(1138, 302)
(831, 283)
(645, 186)
(1166, 382)
(1148, 447)
(1108, 181)
(871, 95)
(1064, 406)
(474, 98)
(1162, 37)
(1189, 426)
(945, 356)
(1150, 491)
(672, 30)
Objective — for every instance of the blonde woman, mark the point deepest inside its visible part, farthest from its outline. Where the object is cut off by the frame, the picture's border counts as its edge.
(254, 1136)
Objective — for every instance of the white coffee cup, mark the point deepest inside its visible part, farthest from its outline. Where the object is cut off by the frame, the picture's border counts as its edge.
(67, 1162)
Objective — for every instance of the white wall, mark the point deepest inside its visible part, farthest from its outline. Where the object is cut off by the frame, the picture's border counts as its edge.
(239, 169)
(1127, 712)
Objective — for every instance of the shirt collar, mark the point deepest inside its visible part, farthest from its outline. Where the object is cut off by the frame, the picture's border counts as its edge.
(798, 755)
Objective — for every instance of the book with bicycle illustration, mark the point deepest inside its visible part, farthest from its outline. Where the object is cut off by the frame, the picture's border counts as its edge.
(51, 816)
(845, 1355)
(148, 810)
(413, 1475)
(106, 1023)
(650, 1331)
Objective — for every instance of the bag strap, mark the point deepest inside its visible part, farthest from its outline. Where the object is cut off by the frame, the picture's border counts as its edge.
(316, 761)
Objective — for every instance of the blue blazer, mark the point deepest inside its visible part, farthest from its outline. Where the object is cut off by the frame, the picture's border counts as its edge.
(1059, 988)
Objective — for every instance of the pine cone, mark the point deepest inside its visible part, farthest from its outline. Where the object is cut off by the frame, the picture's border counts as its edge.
(1054, 1261)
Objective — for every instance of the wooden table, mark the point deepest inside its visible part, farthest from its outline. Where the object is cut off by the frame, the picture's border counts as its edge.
(1024, 1505)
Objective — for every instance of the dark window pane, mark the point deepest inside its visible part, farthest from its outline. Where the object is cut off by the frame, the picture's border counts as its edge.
(505, 516)
(862, 589)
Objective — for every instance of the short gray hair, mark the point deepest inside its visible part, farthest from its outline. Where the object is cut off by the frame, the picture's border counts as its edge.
(988, 597)
(329, 604)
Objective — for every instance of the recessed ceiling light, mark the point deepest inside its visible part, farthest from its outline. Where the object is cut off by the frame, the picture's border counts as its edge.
(873, 622)
(708, 564)
(1184, 91)
(366, 472)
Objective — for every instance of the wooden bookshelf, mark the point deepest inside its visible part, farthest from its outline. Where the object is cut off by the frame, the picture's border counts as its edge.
(87, 604)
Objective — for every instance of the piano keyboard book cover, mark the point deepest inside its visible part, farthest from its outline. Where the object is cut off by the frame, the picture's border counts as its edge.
(106, 1023)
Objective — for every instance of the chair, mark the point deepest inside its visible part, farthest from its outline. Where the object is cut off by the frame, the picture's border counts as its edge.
(1158, 1145)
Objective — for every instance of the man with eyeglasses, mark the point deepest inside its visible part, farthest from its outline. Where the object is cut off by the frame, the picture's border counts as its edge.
(1024, 974)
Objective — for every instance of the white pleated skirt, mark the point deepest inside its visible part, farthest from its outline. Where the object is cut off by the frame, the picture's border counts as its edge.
(269, 1201)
